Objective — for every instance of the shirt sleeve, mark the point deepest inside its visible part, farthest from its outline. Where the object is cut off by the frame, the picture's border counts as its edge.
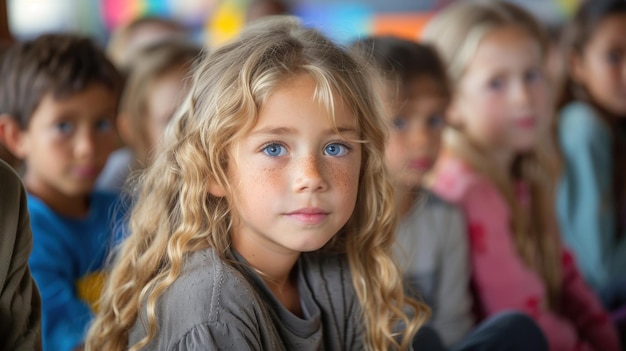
(20, 305)
(65, 316)
(585, 199)
(583, 308)
(219, 336)
(501, 279)
(452, 316)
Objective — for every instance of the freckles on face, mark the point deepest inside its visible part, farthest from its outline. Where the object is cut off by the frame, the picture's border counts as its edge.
(295, 174)
(344, 179)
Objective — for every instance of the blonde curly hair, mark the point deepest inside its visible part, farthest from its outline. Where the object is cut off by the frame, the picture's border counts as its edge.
(175, 214)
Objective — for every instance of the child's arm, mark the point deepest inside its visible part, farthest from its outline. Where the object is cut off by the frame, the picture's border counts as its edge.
(452, 316)
(501, 280)
(585, 196)
(582, 307)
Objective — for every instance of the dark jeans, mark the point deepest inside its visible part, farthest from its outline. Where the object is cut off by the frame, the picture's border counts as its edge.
(613, 297)
(506, 331)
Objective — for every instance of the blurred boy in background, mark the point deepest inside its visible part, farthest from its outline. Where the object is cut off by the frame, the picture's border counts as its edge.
(58, 104)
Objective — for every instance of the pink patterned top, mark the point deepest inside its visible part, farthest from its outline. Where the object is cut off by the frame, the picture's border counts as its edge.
(502, 281)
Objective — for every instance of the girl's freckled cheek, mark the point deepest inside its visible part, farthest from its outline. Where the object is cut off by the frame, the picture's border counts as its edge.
(270, 176)
(344, 178)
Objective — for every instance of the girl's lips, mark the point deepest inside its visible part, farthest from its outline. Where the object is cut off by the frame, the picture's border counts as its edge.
(86, 172)
(309, 215)
(526, 122)
(424, 163)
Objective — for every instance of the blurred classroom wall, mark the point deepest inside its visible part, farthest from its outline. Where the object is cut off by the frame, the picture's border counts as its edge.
(214, 21)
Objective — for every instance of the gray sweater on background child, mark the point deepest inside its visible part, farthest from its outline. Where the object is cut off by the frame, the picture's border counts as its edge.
(432, 248)
(215, 306)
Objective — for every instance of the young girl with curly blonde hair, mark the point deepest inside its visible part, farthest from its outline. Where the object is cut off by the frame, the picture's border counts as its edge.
(266, 223)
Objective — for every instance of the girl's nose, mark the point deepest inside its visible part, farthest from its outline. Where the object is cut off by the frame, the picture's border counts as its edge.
(522, 94)
(419, 136)
(308, 175)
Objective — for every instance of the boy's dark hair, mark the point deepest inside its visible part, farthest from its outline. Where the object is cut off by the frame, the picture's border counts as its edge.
(402, 60)
(60, 64)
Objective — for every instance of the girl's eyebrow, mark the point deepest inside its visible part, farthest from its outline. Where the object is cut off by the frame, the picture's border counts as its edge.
(293, 131)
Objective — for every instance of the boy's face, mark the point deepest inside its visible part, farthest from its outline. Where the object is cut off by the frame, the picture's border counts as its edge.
(68, 141)
(416, 121)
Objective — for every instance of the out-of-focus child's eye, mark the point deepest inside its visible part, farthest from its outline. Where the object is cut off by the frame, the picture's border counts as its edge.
(64, 127)
(274, 150)
(104, 125)
(614, 57)
(496, 84)
(399, 123)
(435, 122)
(532, 75)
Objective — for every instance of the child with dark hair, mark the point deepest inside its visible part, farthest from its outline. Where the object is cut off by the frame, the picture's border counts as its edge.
(591, 200)
(59, 104)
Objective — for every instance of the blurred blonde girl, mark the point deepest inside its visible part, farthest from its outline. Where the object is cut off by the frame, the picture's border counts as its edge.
(156, 86)
(491, 166)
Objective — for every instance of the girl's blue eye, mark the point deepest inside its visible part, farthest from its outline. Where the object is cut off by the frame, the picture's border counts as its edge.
(614, 57)
(103, 125)
(435, 122)
(335, 149)
(399, 123)
(274, 150)
(496, 84)
(532, 75)
(64, 127)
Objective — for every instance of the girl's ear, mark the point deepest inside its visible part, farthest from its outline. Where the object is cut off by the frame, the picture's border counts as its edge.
(12, 136)
(216, 189)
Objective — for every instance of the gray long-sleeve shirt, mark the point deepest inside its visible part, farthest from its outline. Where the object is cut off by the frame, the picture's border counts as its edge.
(215, 306)
(431, 244)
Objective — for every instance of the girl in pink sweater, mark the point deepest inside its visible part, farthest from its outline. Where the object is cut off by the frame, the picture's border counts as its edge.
(493, 169)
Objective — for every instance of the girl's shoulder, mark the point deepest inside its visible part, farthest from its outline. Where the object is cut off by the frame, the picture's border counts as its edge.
(580, 121)
(206, 281)
(209, 291)
(430, 211)
(454, 179)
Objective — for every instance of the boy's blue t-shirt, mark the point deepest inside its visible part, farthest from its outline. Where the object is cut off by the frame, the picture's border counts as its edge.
(67, 264)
